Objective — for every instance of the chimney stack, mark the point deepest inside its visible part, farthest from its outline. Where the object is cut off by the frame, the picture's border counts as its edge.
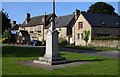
(28, 15)
(13, 23)
(77, 13)
(28, 18)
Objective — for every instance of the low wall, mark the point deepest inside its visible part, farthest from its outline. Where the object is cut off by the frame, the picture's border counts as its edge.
(106, 43)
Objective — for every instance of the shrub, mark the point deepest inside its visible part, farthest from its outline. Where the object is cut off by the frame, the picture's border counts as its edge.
(5, 34)
(63, 42)
(5, 37)
(86, 34)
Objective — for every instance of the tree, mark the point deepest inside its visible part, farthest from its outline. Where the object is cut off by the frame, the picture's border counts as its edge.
(86, 34)
(5, 34)
(5, 21)
(101, 7)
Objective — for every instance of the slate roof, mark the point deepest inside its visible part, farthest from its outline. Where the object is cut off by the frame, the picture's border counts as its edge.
(102, 20)
(37, 20)
(64, 21)
(16, 27)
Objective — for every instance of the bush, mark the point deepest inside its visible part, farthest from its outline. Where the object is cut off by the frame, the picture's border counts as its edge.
(63, 42)
(5, 41)
(5, 34)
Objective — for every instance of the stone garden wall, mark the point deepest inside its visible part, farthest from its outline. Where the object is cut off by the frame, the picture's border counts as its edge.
(106, 43)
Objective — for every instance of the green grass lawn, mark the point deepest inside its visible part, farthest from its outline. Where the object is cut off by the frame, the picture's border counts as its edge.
(108, 66)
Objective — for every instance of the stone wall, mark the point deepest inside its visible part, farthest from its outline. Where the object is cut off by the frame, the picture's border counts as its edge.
(106, 43)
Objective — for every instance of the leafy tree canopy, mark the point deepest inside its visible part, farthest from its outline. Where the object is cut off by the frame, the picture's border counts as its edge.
(5, 21)
(101, 7)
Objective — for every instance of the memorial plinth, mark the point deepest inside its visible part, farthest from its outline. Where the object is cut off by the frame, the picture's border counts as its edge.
(52, 55)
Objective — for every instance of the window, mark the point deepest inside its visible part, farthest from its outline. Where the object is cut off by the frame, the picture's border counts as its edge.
(31, 29)
(80, 25)
(81, 36)
(99, 35)
(78, 36)
(39, 28)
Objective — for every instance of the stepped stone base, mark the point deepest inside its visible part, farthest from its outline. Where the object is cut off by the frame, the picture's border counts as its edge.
(52, 61)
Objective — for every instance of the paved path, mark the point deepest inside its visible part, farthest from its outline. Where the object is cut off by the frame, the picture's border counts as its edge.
(112, 54)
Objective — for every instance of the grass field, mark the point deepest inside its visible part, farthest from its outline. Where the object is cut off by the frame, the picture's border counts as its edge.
(107, 66)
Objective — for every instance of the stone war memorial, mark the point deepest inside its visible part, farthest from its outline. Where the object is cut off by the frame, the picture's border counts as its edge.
(52, 55)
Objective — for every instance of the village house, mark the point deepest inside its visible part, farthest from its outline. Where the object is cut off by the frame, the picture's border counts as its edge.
(37, 26)
(16, 35)
(64, 25)
(71, 26)
(97, 24)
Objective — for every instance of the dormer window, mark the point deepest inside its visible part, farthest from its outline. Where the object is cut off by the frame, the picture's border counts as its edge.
(102, 22)
(117, 23)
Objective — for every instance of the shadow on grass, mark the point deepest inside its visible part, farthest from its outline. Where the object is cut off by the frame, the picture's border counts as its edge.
(89, 60)
(93, 48)
(10, 51)
(79, 61)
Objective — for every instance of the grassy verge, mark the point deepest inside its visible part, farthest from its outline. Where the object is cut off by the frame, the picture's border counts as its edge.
(99, 48)
(107, 66)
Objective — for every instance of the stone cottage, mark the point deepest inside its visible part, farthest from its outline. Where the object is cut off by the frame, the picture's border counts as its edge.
(97, 24)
